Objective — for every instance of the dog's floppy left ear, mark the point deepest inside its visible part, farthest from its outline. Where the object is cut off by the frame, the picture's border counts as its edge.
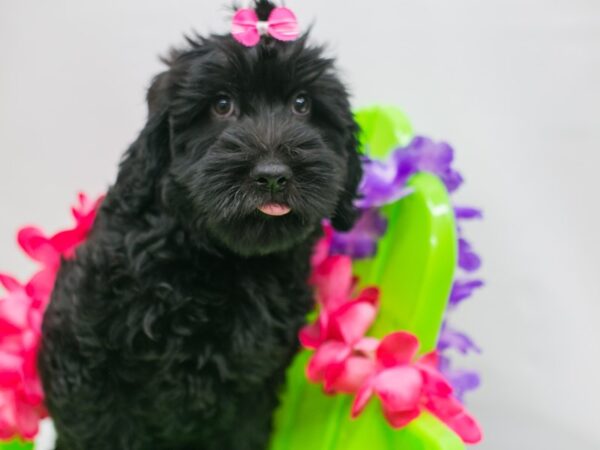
(345, 214)
(157, 95)
(146, 159)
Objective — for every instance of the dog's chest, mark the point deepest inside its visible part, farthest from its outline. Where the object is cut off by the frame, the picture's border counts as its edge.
(235, 322)
(221, 339)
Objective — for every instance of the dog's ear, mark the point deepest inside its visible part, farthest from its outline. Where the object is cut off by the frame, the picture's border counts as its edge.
(146, 159)
(158, 93)
(345, 214)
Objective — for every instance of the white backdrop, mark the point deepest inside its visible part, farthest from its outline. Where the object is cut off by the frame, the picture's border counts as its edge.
(514, 85)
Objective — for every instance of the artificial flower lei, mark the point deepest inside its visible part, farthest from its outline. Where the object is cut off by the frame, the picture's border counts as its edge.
(345, 359)
(385, 182)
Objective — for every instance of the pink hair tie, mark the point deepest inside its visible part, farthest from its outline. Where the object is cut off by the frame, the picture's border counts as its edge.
(247, 29)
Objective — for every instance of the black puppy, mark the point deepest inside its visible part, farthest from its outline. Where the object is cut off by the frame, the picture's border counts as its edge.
(174, 325)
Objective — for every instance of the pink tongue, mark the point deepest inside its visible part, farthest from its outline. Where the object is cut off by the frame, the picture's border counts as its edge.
(274, 209)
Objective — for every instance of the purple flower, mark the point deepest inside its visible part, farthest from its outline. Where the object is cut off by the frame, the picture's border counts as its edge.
(467, 258)
(436, 158)
(463, 289)
(450, 338)
(361, 241)
(385, 181)
(462, 380)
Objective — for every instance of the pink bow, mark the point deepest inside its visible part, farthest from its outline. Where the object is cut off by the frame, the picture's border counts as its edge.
(247, 29)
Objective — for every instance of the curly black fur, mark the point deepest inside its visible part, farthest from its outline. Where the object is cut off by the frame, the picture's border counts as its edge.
(173, 326)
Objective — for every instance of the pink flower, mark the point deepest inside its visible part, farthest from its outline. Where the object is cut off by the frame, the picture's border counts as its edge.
(21, 314)
(333, 281)
(49, 250)
(16, 308)
(339, 314)
(338, 337)
(405, 387)
(17, 417)
(338, 333)
(21, 394)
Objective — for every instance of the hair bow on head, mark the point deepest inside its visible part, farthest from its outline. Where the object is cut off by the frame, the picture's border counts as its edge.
(247, 29)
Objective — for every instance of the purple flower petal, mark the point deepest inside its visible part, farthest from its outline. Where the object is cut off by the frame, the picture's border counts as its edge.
(463, 289)
(383, 181)
(467, 258)
(452, 180)
(462, 380)
(436, 158)
(467, 213)
(450, 338)
(361, 241)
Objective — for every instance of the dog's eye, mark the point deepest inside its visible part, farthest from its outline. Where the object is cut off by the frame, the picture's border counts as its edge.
(301, 104)
(223, 106)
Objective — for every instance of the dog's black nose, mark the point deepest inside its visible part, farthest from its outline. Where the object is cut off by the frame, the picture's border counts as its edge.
(272, 175)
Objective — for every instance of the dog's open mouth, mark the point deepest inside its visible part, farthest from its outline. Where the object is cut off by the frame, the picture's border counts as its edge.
(274, 209)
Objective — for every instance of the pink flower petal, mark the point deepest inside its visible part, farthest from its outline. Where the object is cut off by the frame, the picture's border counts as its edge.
(399, 419)
(85, 212)
(10, 369)
(444, 406)
(399, 388)
(430, 359)
(349, 375)
(450, 411)
(333, 280)
(10, 284)
(321, 249)
(397, 348)
(367, 345)
(30, 340)
(37, 246)
(27, 419)
(14, 311)
(310, 335)
(41, 284)
(8, 419)
(369, 294)
(363, 396)
(434, 382)
(33, 393)
(66, 241)
(351, 321)
(330, 352)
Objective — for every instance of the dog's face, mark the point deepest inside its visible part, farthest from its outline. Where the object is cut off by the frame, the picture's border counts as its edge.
(261, 141)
